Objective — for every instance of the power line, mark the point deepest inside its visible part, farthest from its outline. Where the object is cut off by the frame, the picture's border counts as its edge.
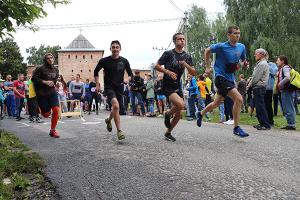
(98, 24)
(175, 6)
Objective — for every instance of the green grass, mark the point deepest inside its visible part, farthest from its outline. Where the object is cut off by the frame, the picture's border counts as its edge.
(279, 120)
(17, 164)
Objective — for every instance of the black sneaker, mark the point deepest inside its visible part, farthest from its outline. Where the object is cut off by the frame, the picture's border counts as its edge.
(168, 136)
(31, 119)
(167, 120)
(255, 126)
(289, 128)
(18, 119)
(262, 128)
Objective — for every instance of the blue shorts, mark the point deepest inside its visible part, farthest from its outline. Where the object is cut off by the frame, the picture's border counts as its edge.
(161, 97)
(76, 96)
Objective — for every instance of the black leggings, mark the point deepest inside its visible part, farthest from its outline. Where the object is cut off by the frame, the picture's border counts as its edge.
(96, 97)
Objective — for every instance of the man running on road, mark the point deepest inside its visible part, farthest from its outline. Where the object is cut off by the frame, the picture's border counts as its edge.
(114, 67)
(228, 54)
(44, 79)
(175, 61)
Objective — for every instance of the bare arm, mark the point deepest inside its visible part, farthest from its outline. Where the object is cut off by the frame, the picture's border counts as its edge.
(207, 59)
(190, 69)
(159, 68)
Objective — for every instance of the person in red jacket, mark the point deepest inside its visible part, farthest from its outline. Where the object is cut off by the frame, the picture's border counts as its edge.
(44, 79)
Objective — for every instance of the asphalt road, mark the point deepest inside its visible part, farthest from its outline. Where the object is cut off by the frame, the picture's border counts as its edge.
(209, 162)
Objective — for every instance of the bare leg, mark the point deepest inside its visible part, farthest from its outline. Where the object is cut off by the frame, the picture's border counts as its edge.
(238, 102)
(178, 105)
(114, 114)
(217, 101)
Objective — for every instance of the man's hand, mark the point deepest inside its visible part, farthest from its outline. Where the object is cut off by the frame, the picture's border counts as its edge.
(49, 83)
(246, 64)
(172, 75)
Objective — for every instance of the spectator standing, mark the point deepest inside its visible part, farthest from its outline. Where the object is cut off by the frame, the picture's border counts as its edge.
(259, 83)
(287, 92)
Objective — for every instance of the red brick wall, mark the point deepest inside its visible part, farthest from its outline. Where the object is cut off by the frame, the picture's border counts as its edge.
(84, 64)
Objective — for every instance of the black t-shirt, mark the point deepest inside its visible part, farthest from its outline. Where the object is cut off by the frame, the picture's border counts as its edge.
(113, 71)
(92, 87)
(137, 84)
(170, 60)
(159, 87)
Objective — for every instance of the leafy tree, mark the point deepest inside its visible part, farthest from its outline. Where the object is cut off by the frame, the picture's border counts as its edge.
(219, 28)
(22, 13)
(36, 55)
(270, 24)
(198, 34)
(12, 62)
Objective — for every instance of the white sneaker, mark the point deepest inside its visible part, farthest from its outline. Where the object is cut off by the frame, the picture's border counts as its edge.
(229, 122)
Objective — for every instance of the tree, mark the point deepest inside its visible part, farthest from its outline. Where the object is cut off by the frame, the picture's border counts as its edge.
(36, 55)
(270, 24)
(12, 62)
(219, 28)
(198, 34)
(22, 13)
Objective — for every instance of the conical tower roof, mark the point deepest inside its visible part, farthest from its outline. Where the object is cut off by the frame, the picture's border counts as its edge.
(80, 42)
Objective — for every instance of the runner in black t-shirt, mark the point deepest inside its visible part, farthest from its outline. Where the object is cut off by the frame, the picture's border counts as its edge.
(114, 67)
(175, 61)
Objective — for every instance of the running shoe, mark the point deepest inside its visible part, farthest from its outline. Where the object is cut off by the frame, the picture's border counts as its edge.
(289, 128)
(108, 125)
(240, 132)
(167, 120)
(38, 120)
(199, 118)
(169, 137)
(31, 119)
(120, 135)
(262, 128)
(54, 133)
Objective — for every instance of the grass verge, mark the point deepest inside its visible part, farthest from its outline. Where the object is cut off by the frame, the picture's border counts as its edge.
(21, 171)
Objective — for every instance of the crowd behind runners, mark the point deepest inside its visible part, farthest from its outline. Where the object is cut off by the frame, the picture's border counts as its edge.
(267, 89)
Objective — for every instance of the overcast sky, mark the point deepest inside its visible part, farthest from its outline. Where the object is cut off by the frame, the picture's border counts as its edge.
(137, 39)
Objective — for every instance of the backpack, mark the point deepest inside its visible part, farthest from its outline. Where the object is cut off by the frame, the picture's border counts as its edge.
(295, 78)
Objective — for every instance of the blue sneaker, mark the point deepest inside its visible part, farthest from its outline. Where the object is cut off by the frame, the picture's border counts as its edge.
(240, 132)
(199, 118)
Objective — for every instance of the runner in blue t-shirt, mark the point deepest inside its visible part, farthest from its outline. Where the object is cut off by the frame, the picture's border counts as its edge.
(229, 55)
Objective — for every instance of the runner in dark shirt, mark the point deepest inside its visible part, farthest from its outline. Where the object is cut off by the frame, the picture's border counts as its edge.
(175, 62)
(44, 79)
(114, 67)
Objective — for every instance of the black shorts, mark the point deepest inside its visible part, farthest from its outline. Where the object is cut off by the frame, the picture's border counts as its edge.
(47, 102)
(223, 85)
(113, 93)
(168, 91)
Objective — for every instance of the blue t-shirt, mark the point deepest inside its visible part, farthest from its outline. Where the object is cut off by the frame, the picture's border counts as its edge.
(227, 54)
(9, 84)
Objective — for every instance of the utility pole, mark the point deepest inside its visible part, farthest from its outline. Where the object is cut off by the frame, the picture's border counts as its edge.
(185, 28)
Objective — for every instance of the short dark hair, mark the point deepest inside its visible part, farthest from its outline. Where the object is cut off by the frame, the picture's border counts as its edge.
(175, 36)
(78, 75)
(115, 42)
(233, 27)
